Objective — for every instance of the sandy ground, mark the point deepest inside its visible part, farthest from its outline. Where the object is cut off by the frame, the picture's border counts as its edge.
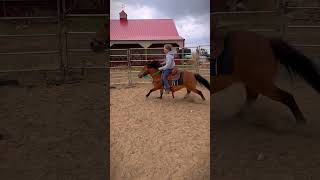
(159, 139)
(264, 143)
(53, 132)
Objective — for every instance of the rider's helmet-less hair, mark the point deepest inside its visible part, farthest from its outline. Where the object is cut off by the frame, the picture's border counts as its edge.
(168, 46)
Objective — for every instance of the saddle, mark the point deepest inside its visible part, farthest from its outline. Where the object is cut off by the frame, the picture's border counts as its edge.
(175, 74)
(174, 77)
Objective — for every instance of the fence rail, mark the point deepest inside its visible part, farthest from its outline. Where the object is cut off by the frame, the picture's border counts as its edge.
(129, 58)
(284, 27)
(125, 71)
(58, 49)
(61, 32)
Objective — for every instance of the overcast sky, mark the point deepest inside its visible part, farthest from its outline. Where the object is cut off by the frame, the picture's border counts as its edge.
(192, 17)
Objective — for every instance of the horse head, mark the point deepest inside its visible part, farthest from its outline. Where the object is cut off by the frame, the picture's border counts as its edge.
(149, 68)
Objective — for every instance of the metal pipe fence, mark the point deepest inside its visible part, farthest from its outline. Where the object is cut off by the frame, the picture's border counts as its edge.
(57, 51)
(61, 34)
(125, 64)
(284, 27)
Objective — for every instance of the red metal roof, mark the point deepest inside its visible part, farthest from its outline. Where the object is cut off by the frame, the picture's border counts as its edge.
(144, 29)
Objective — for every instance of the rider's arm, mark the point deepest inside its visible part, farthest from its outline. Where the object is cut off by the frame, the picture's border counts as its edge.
(169, 60)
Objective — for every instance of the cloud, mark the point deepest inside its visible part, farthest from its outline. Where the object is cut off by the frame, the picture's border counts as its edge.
(174, 9)
(134, 11)
(196, 30)
(192, 17)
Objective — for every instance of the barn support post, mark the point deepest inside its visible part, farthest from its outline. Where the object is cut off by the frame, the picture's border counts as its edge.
(197, 59)
(66, 66)
(4, 8)
(129, 67)
(59, 36)
(284, 23)
(182, 56)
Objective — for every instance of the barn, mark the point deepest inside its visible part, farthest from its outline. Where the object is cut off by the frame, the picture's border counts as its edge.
(142, 36)
(143, 33)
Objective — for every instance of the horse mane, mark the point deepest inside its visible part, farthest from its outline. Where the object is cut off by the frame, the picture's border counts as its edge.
(154, 64)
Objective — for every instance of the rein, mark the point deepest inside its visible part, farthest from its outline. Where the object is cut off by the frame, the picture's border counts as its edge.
(156, 73)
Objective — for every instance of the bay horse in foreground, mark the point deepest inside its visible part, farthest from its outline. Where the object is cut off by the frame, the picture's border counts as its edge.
(178, 80)
(252, 59)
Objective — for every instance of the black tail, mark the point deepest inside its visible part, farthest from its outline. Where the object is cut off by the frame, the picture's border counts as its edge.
(202, 81)
(296, 62)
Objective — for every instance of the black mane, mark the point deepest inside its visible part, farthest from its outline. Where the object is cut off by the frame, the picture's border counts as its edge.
(154, 64)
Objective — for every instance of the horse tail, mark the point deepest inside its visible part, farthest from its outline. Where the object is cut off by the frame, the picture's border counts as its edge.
(202, 81)
(296, 62)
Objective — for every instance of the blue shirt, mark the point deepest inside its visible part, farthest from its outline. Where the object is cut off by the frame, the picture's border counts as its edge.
(169, 61)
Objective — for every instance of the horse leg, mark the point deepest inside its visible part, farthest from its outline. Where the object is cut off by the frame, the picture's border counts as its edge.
(151, 90)
(188, 93)
(251, 97)
(198, 92)
(161, 93)
(172, 92)
(221, 82)
(287, 99)
(176, 88)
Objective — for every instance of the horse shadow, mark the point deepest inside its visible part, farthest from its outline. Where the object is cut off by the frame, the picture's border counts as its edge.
(191, 99)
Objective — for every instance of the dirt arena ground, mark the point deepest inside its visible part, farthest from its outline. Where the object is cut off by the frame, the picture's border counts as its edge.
(53, 132)
(159, 139)
(265, 143)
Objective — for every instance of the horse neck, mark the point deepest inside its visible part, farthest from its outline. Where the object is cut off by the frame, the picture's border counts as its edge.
(153, 73)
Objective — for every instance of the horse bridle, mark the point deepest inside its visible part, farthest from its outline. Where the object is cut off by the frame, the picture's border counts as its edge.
(158, 72)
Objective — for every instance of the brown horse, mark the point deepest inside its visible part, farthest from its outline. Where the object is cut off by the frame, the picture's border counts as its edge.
(253, 59)
(187, 80)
